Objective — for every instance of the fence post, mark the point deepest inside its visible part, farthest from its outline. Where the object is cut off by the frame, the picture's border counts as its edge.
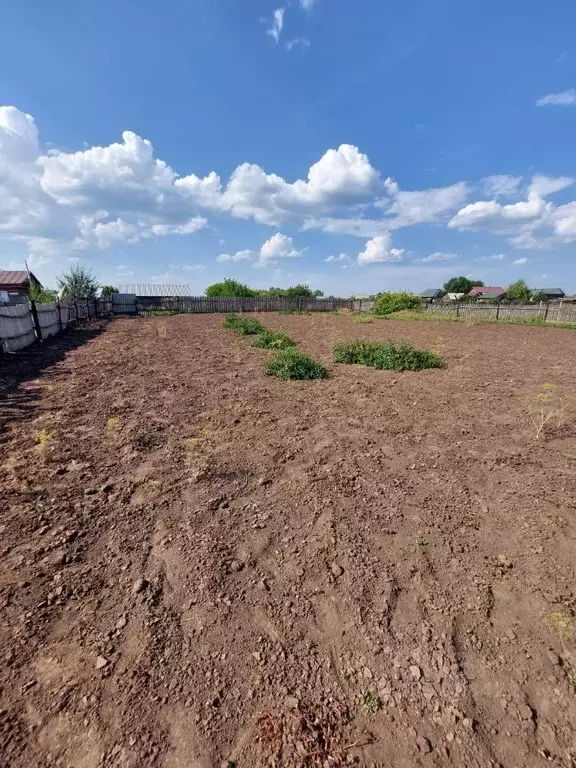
(76, 313)
(88, 309)
(37, 327)
(59, 314)
(458, 309)
(546, 312)
(497, 310)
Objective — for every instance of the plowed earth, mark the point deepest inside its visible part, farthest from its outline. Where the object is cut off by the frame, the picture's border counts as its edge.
(202, 566)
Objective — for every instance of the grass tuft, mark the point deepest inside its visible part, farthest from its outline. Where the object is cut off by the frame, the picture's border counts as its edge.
(370, 703)
(291, 364)
(245, 326)
(387, 355)
(273, 340)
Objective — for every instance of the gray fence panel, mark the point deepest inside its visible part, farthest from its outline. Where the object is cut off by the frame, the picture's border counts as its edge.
(16, 327)
(48, 319)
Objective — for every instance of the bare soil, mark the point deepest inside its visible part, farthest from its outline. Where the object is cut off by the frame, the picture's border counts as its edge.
(201, 565)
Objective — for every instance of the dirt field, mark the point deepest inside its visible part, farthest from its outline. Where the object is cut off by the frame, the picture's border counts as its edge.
(203, 566)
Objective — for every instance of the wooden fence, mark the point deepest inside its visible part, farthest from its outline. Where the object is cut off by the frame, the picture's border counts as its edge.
(548, 313)
(29, 322)
(202, 304)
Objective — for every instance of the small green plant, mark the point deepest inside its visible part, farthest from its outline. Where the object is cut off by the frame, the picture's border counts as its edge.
(273, 340)
(245, 326)
(112, 423)
(291, 364)
(388, 302)
(363, 319)
(544, 407)
(422, 542)
(43, 437)
(571, 678)
(387, 355)
(370, 703)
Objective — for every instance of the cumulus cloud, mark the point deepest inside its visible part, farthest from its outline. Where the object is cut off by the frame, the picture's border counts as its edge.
(333, 259)
(275, 29)
(245, 255)
(440, 256)
(521, 261)
(379, 250)
(279, 246)
(561, 99)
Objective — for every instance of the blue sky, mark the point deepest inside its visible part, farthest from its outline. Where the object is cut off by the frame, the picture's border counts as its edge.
(354, 146)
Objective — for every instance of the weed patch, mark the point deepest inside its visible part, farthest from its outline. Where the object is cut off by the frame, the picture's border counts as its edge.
(370, 703)
(273, 340)
(43, 437)
(545, 407)
(245, 326)
(387, 355)
(291, 364)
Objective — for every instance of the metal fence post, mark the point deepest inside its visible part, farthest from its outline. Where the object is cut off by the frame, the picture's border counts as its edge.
(59, 314)
(37, 327)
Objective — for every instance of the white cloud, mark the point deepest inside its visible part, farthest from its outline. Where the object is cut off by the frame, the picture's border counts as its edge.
(306, 4)
(423, 206)
(245, 255)
(542, 186)
(192, 267)
(494, 257)
(501, 185)
(379, 250)
(440, 256)
(341, 257)
(279, 246)
(275, 29)
(191, 226)
(561, 99)
(298, 42)
(523, 260)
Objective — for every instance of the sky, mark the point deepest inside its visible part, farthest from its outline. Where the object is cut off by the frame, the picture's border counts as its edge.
(357, 147)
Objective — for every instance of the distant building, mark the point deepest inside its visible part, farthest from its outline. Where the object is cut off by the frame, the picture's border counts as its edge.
(14, 285)
(550, 293)
(487, 292)
(453, 296)
(430, 295)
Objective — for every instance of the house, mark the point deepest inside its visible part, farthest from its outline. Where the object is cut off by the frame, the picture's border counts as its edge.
(453, 296)
(14, 286)
(550, 293)
(487, 292)
(430, 295)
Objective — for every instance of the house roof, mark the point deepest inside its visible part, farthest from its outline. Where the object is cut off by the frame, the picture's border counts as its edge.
(17, 278)
(455, 296)
(431, 293)
(490, 290)
(549, 291)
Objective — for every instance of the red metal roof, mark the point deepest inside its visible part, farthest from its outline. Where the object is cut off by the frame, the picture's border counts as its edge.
(16, 278)
(497, 290)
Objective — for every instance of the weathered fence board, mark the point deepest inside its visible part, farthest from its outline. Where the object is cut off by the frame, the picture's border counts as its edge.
(550, 313)
(204, 304)
(16, 327)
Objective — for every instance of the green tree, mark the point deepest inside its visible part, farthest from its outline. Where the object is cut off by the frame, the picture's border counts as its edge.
(79, 283)
(540, 296)
(460, 285)
(107, 290)
(230, 289)
(519, 292)
(41, 295)
(294, 291)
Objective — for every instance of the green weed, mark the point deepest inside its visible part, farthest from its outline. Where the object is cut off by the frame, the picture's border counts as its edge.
(291, 364)
(370, 703)
(422, 542)
(112, 423)
(562, 624)
(273, 340)
(245, 326)
(387, 355)
(43, 438)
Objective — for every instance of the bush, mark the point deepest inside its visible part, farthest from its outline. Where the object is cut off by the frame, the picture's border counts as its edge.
(385, 303)
(388, 355)
(290, 364)
(273, 340)
(245, 326)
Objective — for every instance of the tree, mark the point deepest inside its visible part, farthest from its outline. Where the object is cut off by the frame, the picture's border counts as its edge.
(293, 292)
(41, 295)
(107, 290)
(77, 284)
(519, 292)
(539, 296)
(460, 285)
(230, 289)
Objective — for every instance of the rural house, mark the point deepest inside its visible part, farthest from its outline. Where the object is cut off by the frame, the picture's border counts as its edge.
(487, 292)
(431, 294)
(550, 293)
(14, 286)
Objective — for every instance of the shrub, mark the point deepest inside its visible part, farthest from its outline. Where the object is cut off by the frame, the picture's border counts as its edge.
(392, 302)
(245, 326)
(387, 355)
(273, 340)
(291, 364)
